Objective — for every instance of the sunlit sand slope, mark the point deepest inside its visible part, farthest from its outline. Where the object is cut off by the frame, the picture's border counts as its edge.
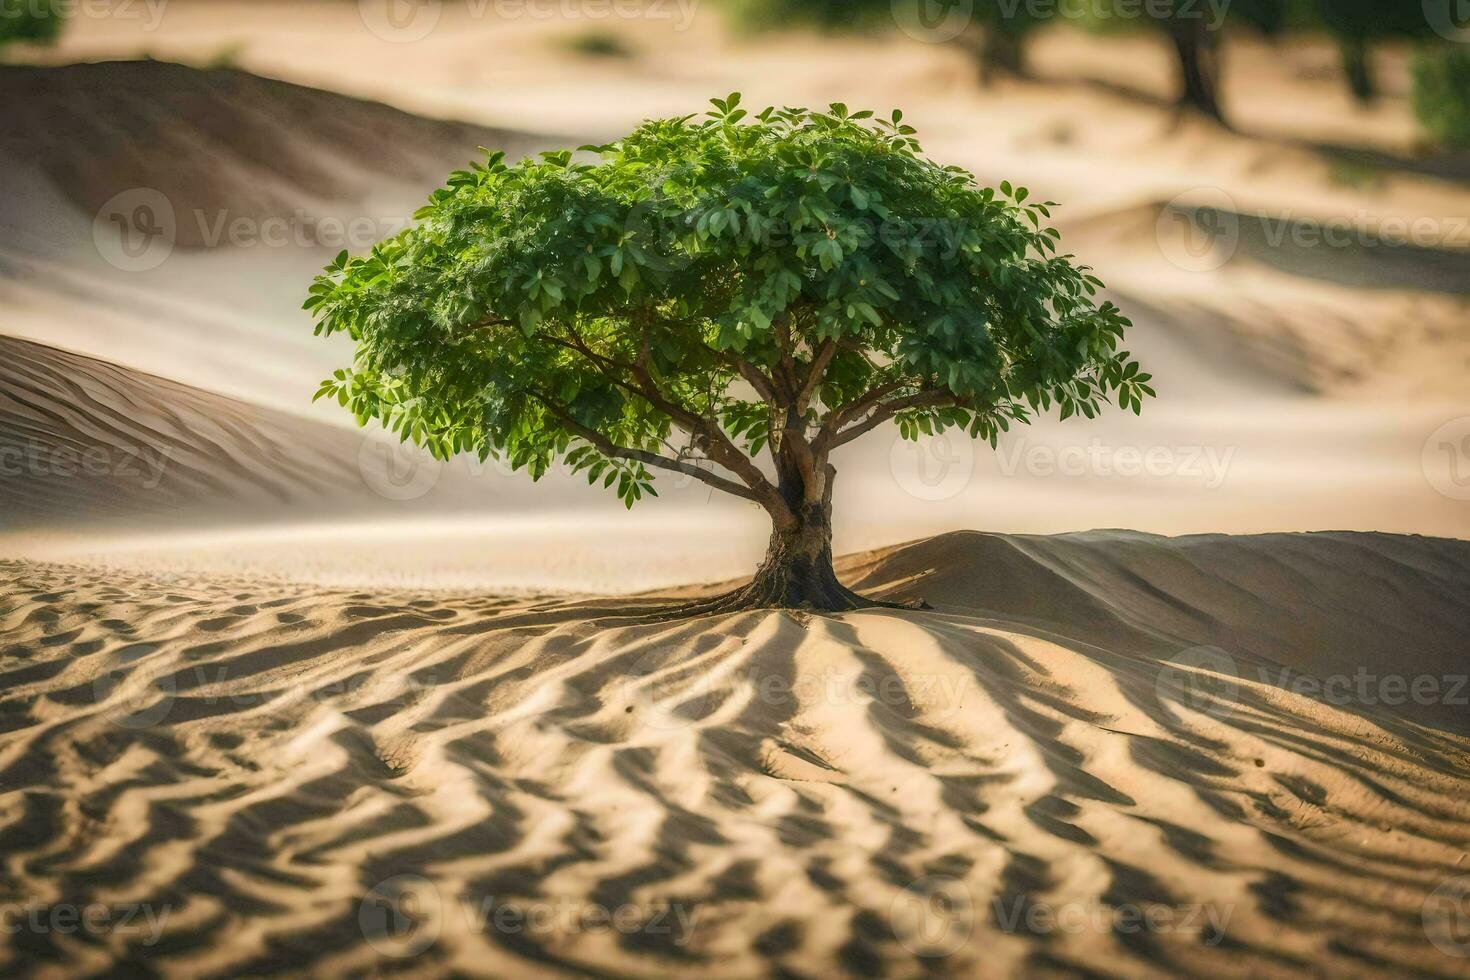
(84, 440)
(1041, 774)
(224, 144)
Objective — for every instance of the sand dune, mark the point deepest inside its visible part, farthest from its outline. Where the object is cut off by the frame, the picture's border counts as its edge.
(166, 218)
(84, 441)
(306, 781)
(1322, 305)
(1258, 744)
(221, 142)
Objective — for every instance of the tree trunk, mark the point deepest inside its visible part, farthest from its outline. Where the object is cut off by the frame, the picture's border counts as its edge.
(1001, 54)
(1359, 69)
(1198, 66)
(797, 571)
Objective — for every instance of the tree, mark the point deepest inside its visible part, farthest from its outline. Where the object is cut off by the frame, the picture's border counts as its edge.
(1193, 31)
(995, 31)
(732, 299)
(34, 21)
(1197, 51)
(1005, 28)
(1442, 94)
(1356, 24)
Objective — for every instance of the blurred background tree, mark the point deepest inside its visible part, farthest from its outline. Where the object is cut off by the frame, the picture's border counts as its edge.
(994, 31)
(33, 21)
(1442, 94)
(1358, 24)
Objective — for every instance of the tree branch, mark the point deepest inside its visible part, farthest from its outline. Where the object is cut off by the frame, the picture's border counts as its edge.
(840, 416)
(929, 398)
(814, 376)
(716, 443)
(607, 447)
(706, 431)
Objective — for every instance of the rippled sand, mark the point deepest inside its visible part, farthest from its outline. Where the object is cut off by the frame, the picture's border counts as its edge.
(1086, 757)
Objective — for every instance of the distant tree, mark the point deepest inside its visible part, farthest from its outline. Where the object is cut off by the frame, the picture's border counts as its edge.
(1442, 94)
(1357, 24)
(716, 292)
(33, 21)
(1197, 51)
(994, 31)
(1268, 17)
(1195, 31)
(1005, 27)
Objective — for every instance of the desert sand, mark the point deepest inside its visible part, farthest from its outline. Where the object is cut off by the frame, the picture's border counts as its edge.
(964, 790)
(319, 707)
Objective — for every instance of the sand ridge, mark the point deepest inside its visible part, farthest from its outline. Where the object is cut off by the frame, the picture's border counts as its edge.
(84, 441)
(762, 793)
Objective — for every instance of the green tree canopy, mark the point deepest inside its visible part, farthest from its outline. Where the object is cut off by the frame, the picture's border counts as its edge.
(731, 298)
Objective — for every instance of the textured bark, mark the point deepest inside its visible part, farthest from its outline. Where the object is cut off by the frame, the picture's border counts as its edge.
(797, 572)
